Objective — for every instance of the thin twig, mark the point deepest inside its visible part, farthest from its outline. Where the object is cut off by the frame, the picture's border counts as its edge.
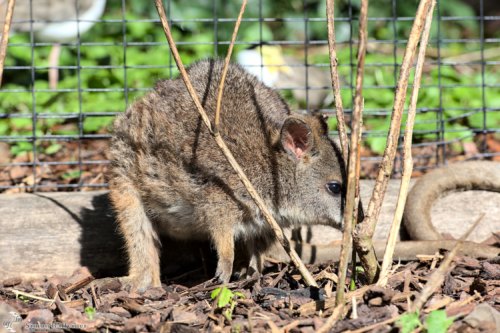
(407, 158)
(38, 298)
(332, 320)
(226, 65)
(180, 65)
(339, 109)
(437, 277)
(294, 257)
(364, 231)
(5, 35)
(353, 167)
(28, 295)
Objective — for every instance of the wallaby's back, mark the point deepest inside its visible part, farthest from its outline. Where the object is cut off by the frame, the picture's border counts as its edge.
(164, 128)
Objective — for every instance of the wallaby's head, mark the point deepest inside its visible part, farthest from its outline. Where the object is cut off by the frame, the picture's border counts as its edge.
(312, 173)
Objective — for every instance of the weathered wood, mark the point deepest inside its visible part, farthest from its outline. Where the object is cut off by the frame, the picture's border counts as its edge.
(56, 233)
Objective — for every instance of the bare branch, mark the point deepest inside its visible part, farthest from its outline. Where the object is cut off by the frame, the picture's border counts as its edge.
(5, 35)
(335, 78)
(364, 231)
(309, 280)
(226, 65)
(407, 161)
(350, 210)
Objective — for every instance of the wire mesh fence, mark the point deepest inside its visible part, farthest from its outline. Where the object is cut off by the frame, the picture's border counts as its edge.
(72, 65)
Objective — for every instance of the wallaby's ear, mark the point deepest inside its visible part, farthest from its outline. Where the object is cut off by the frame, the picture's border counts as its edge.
(296, 137)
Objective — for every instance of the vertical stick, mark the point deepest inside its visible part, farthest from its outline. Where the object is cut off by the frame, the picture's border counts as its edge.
(350, 210)
(330, 8)
(226, 65)
(5, 35)
(407, 158)
(364, 231)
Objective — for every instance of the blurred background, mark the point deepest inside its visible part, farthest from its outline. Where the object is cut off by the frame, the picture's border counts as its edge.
(72, 65)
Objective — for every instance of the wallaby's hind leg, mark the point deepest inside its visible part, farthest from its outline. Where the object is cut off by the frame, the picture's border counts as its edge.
(141, 238)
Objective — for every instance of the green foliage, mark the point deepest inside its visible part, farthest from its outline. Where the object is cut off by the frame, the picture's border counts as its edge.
(436, 322)
(90, 312)
(53, 148)
(22, 298)
(226, 300)
(21, 147)
(352, 285)
(109, 69)
(457, 98)
(73, 174)
(409, 322)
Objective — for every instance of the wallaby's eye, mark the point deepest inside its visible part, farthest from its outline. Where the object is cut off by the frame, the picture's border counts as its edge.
(334, 187)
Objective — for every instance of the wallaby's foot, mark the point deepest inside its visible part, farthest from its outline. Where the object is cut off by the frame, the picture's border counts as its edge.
(256, 265)
(140, 283)
(109, 283)
(127, 283)
(224, 270)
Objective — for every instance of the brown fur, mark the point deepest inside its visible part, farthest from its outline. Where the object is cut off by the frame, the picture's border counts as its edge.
(169, 177)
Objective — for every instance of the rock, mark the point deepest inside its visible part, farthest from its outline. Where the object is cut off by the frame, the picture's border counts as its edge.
(484, 314)
(11, 282)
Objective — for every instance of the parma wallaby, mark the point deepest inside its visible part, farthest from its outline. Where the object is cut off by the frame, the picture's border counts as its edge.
(169, 177)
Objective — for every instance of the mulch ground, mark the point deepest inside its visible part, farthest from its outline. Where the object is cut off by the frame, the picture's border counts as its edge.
(275, 302)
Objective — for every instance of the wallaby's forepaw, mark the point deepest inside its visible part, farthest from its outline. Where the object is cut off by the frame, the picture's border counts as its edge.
(224, 271)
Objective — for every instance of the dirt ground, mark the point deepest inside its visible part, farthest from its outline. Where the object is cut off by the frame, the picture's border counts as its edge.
(277, 301)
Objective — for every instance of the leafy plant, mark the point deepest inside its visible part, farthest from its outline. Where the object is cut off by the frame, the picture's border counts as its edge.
(73, 174)
(436, 322)
(90, 312)
(226, 300)
(112, 75)
(409, 322)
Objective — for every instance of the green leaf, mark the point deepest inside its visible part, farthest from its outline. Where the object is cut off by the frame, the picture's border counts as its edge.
(215, 292)
(409, 322)
(438, 322)
(4, 127)
(239, 294)
(377, 144)
(332, 123)
(492, 120)
(226, 295)
(352, 285)
(228, 313)
(70, 175)
(254, 29)
(21, 147)
(90, 312)
(53, 148)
